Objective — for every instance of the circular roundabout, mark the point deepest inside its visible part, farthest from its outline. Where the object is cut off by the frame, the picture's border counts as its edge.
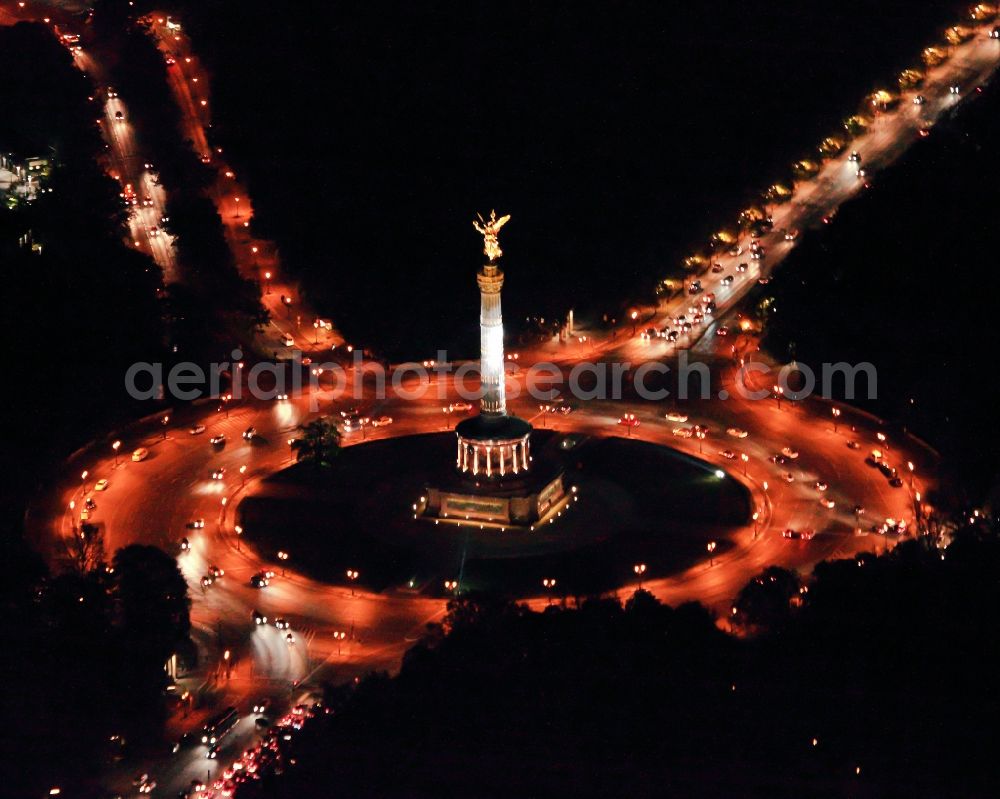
(626, 502)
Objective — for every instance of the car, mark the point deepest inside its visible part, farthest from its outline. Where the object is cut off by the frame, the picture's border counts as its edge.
(728, 454)
(262, 706)
(101, 485)
(728, 280)
(954, 89)
(676, 416)
(717, 267)
(460, 406)
(185, 545)
(147, 786)
(566, 410)
(788, 452)
(683, 432)
(288, 341)
(169, 61)
(262, 722)
(826, 502)
(259, 618)
(858, 510)
(147, 202)
(791, 235)
(207, 580)
(870, 461)
(757, 254)
(788, 477)
(735, 250)
(737, 432)
(196, 524)
(350, 412)
(85, 515)
(743, 267)
(778, 459)
(852, 444)
(819, 485)
(924, 133)
(112, 94)
(722, 331)
(282, 624)
(886, 469)
(259, 580)
(281, 397)
(216, 571)
(218, 439)
(289, 639)
(896, 482)
(382, 421)
(213, 752)
(119, 116)
(995, 33)
(249, 433)
(219, 473)
(797, 535)
(854, 157)
(919, 100)
(90, 504)
(154, 231)
(695, 287)
(140, 454)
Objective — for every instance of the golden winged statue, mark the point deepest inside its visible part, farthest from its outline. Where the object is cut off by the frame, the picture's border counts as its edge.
(489, 230)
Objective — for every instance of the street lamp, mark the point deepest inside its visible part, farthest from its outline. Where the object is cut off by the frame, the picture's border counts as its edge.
(237, 201)
(634, 315)
(639, 569)
(115, 446)
(545, 409)
(239, 531)
(164, 421)
(451, 585)
(548, 583)
(243, 471)
(756, 521)
(316, 334)
(909, 465)
(836, 416)
(700, 435)
(282, 556)
(352, 575)
(778, 393)
(746, 459)
(339, 636)
(629, 421)
(267, 282)
(711, 550)
(83, 481)
(881, 439)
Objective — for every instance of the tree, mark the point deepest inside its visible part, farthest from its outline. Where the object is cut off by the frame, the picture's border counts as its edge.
(151, 612)
(765, 601)
(86, 547)
(319, 443)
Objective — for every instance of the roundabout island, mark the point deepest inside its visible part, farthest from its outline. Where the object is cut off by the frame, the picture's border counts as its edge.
(626, 502)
